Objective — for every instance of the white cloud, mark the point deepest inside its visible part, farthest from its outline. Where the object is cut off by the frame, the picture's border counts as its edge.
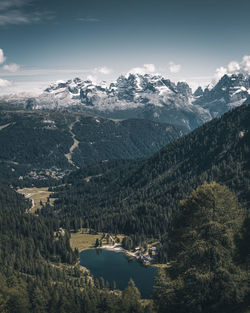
(220, 71)
(88, 19)
(13, 18)
(234, 67)
(29, 87)
(245, 64)
(4, 83)
(150, 68)
(104, 70)
(33, 71)
(92, 78)
(174, 68)
(145, 69)
(24, 79)
(13, 12)
(18, 17)
(2, 57)
(6, 4)
(11, 67)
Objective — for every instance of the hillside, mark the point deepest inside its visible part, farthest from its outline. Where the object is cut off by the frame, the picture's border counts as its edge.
(46, 145)
(38, 269)
(144, 198)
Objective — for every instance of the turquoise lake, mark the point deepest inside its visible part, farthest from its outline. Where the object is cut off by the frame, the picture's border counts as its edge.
(114, 266)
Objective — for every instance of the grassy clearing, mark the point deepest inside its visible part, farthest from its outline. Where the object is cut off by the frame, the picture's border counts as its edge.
(36, 195)
(83, 240)
(161, 266)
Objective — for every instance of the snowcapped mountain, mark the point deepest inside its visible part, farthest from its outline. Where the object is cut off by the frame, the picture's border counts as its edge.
(231, 91)
(128, 92)
(150, 97)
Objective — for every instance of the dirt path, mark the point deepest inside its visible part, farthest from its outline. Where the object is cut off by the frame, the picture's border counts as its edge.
(75, 144)
(36, 195)
(6, 125)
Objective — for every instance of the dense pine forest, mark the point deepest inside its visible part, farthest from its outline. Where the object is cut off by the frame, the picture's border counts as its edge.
(142, 198)
(34, 145)
(208, 267)
(192, 196)
(208, 262)
(38, 271)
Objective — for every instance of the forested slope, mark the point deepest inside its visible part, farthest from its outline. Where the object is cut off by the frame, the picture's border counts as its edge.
(38, 272)
(40, 145)
(146, 196)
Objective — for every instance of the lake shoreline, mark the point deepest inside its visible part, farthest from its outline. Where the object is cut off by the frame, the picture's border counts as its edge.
(142, 258)
(85, 241)
(118, 248)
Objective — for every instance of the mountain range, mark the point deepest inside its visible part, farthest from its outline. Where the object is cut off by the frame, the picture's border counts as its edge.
(150, 97)
(77, 123)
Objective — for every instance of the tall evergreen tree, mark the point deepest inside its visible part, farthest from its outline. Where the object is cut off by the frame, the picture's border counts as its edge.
(203, 276)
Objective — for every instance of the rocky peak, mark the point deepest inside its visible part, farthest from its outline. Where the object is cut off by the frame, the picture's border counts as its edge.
(184, 89)
(198, 92)
(229, 92)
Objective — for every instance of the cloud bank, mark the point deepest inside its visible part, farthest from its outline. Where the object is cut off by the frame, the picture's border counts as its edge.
(103, 70)
(11, 67)
(145, 69)
(2, 57)
(174, 68)
(4, 83)
(7, 4)
(88, 19)
(234, 67)
(12, 12)
(7, 67)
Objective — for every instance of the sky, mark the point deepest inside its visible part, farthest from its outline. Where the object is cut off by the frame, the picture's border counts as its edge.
(42, 41)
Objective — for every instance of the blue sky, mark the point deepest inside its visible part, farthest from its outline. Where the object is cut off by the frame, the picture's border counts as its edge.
(43, 41)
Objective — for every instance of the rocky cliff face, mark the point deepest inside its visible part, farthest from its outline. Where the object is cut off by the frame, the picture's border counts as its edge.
(231, 91)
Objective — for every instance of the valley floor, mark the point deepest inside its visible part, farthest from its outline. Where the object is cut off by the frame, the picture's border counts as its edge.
(38, 196)
(84, 239)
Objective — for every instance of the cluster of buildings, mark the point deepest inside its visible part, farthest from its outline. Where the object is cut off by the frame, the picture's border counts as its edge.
(145, 258)
(44, 174)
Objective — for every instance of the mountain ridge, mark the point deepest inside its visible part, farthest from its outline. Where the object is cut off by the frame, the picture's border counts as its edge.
(147, 96)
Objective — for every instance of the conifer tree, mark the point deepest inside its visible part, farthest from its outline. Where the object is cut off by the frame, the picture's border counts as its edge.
(203, 276)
